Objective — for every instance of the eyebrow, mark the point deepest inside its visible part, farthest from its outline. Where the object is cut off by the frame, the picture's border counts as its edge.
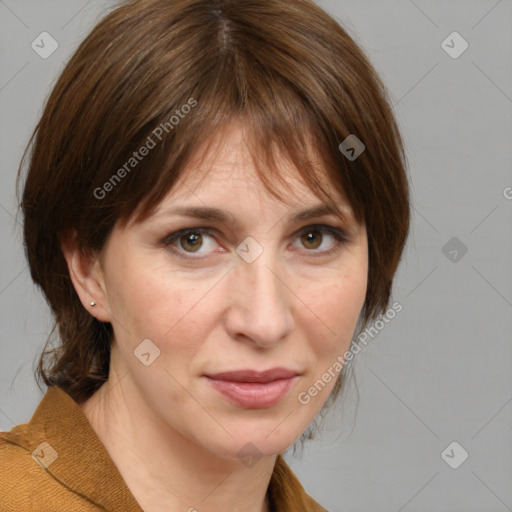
(224, 216)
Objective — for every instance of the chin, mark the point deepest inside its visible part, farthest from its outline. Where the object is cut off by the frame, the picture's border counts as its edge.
(251, 441)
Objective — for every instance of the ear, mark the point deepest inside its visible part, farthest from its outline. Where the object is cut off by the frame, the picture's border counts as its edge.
(87, 276)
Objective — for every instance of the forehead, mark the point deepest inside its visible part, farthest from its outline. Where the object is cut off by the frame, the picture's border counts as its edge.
(227, 164)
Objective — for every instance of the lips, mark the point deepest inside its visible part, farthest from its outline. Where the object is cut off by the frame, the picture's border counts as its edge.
(254, 375)
(251, 389)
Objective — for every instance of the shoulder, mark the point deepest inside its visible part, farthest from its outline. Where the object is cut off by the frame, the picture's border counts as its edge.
(313, 505)
(26, 485)
(287, 493)
(56, 463)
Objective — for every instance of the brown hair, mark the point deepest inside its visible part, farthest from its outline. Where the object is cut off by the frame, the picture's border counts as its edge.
(183, 69)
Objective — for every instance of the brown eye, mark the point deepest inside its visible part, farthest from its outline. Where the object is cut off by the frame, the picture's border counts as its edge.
(197, 241)
(313, 237)
(192, 241)
(312, 240)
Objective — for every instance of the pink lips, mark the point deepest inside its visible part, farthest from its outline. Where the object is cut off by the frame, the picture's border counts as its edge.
(252, 389)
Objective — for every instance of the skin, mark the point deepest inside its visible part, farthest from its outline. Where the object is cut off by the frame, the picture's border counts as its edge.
(173, 437)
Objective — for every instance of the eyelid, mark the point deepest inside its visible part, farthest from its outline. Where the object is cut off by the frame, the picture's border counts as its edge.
(333, 230)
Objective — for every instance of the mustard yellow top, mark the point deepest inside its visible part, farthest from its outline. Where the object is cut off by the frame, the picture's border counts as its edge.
(57, 463)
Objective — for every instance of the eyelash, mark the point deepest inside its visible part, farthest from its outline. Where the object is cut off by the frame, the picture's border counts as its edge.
(338, 234)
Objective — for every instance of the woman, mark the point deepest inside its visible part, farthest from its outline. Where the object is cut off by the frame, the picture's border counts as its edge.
(216, 198)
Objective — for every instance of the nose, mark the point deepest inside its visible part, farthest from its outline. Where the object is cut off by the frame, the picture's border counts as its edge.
(261, 304)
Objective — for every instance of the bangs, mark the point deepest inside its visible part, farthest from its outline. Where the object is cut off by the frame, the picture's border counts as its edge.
(272, 143)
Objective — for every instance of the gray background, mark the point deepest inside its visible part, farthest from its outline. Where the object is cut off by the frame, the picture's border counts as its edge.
(440, 370)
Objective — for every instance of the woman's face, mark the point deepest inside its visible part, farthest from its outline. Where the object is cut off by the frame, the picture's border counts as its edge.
(259, 290)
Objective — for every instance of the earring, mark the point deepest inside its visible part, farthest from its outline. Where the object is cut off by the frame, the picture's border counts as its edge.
(93, 303)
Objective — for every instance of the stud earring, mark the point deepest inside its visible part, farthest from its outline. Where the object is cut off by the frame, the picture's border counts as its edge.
(93, 303)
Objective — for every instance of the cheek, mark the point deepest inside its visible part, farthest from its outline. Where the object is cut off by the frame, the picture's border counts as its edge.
(151, 303)
(333, 314)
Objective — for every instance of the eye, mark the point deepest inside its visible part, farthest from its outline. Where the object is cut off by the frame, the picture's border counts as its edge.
(311, 240)
(188, 242)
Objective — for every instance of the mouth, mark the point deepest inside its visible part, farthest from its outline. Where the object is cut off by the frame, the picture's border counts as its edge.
(251, 389)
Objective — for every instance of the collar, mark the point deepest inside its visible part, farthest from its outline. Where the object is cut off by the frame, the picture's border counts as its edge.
(84, 466)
